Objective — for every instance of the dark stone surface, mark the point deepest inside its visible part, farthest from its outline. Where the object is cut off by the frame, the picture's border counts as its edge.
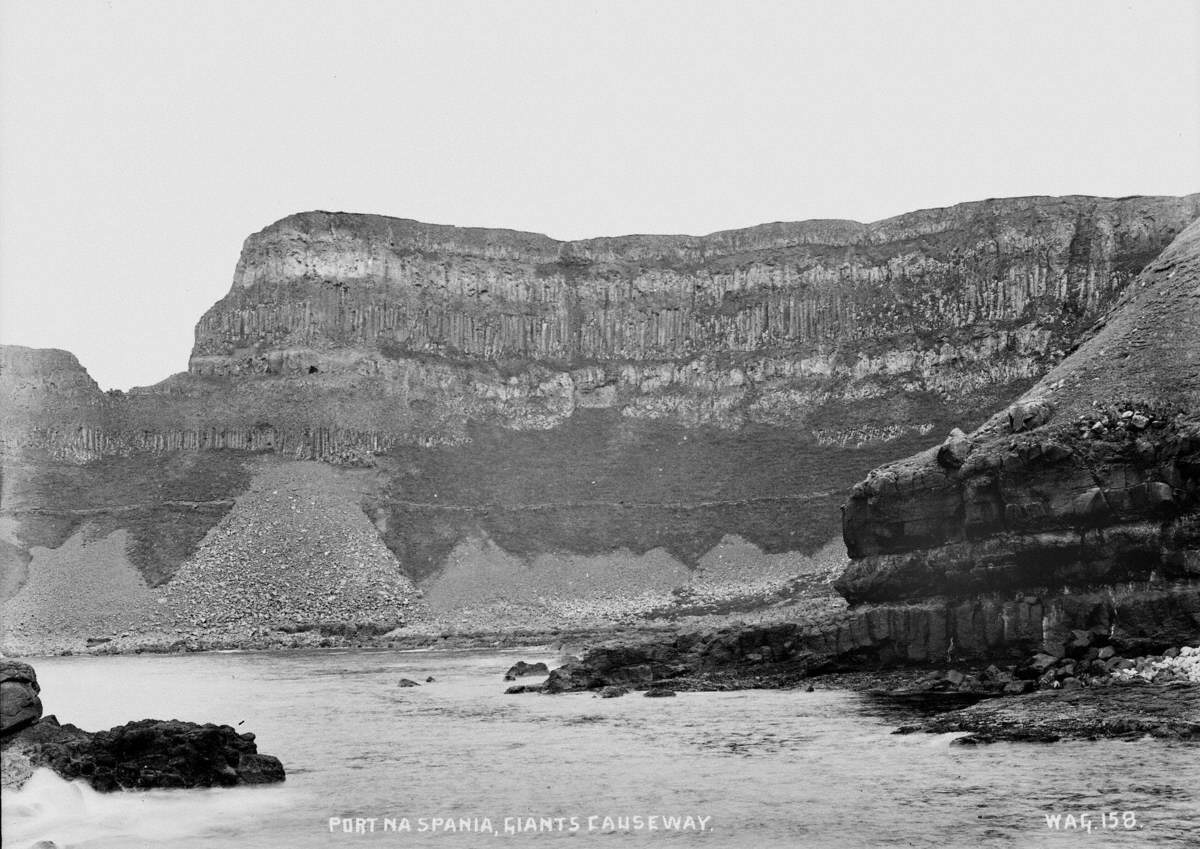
(148, 753)
(521, 669)
(1127, 710)
(19, 702)
(517, 689)
(1130, 620)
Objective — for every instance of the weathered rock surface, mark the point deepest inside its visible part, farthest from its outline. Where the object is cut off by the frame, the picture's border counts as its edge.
(19, 702)
(1133, 621)
(1120, 710)
(521, 669)
(145, 754)
(1091, 478)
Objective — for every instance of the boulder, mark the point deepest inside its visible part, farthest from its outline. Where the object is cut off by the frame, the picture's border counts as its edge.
(612, 692)
(1029, 414)
(19, 702)
(952, 453)
(659, 693)
(520, 669)
(148, 753)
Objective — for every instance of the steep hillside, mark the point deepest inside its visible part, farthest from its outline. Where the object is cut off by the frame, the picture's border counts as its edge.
(1091, 478)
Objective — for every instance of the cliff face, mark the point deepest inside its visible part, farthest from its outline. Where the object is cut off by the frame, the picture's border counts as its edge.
(1092, 478)
(760, 325)
(630, 393)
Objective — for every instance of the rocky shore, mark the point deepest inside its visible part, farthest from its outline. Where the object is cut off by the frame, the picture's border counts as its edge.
(140, 755)
(1127, 710)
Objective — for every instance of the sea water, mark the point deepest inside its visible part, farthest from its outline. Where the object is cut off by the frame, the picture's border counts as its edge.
(455, 763)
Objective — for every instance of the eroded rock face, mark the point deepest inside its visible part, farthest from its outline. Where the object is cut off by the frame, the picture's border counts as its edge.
(1092, 478)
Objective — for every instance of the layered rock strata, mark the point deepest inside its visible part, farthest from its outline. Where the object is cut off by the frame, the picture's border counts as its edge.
(1091, 478)
(1076, 510)
(512, 391)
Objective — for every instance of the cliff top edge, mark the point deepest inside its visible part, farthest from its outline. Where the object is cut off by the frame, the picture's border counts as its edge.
(830, 232)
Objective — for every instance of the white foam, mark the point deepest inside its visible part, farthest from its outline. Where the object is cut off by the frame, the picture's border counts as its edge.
(72, 814)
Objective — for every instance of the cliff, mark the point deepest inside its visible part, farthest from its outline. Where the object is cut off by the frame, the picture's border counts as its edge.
(763, 325)
(1091, 478)
(498, 402)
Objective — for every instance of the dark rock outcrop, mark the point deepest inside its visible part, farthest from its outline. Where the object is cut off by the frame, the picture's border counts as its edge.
(19, 702)
(1132, 620)
(148, 753)
(145, 754)
(1129, 711)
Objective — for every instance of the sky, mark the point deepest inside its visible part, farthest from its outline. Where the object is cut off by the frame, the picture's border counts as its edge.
(141, 141)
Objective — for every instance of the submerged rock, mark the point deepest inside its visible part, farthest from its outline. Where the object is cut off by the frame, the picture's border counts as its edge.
(613, 692)
(517, 689)
(659, 693)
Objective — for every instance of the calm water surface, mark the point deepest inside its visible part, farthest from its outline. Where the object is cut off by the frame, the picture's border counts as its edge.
(765, 768)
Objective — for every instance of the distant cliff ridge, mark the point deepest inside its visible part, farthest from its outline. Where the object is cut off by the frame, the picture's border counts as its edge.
(750, 325)
(493, 391)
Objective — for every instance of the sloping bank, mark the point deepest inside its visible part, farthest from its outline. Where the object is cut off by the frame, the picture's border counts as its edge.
(1070, 517)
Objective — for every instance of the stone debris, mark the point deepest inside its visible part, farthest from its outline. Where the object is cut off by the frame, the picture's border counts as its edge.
(295, 553)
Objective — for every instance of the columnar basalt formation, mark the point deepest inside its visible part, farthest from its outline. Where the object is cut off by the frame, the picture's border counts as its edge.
(630, 393)
(760, 325)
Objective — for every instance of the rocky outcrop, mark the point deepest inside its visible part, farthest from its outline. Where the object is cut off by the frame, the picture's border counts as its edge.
(1091, 478)
(19, 702)
(1132, 620)
(145, 754)
(1127, 711)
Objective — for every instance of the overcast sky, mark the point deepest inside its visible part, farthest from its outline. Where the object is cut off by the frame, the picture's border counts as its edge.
(141, 142)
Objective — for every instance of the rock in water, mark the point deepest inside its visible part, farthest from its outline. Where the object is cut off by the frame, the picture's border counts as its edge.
(148, 753)
(19, 702)
(613, 692)
(521, 669)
